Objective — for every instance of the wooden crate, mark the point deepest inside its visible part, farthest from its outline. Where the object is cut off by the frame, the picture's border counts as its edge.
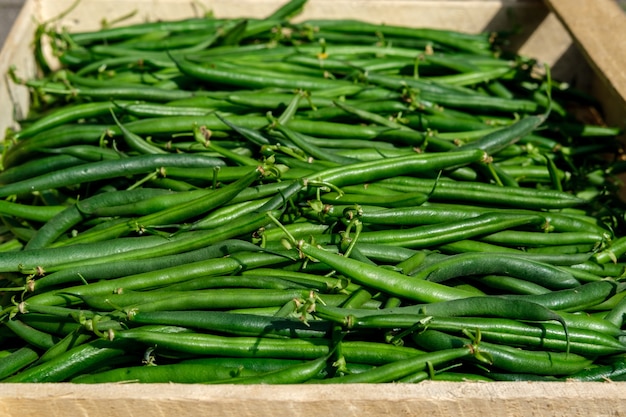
(583, 40)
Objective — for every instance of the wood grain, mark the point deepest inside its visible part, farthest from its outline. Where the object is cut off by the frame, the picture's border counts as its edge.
(598, 28)
(431, 399)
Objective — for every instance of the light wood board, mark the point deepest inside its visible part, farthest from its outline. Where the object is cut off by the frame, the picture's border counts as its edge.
(598, 28)
(429, 399)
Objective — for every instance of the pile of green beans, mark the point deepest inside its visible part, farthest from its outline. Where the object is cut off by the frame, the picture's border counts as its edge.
(265, 201)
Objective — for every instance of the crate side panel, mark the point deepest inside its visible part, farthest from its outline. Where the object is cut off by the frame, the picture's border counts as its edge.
(598, 28)
(17, 52)
(428, 398)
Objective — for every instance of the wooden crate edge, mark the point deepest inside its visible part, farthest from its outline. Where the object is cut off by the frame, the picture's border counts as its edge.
(598, 28)
(506, 399)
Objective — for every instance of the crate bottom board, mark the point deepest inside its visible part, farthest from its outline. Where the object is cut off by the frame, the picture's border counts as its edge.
(429, 398)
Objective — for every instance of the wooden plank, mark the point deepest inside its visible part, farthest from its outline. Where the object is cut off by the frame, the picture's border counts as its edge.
(16, 52)
(432, 399)
(598, 28)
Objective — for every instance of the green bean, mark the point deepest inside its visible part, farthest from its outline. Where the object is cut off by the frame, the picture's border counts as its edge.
(64, 135)
(473, 77)
(617, 313)
(448, 96)
(65, 115)
(511, 285)
(207, 344)
(421, 237)
(271, 101)
(240, 281)
(530, 239)
(38, 166)
(287, 10)
(88, 153)
(381, 279)
(106, 170)
(249, 364)
(494, 306)
(486, 193)
(135, 142)
(29, 212)
(176, 244)
(168, 373)
(611, 254)
(582, 320)
(294, 374)
(328, 283)
(502, 331)
(30, 335)
(467, 264)
(70, 363)
(160, 277)
(476, 44)
(120, 92)
(613, 371)
(119, 269)
(163, 110)
(400, 369)
(133, 30)
(302, 142)
(168, 215)
(494, 142)
(49, 259)
(240, 77)
(219, 299)
(511, 359)
(72, 215)
(236, 324)
(71, 340)
(368, 171)
(16, 361)
(224, 215)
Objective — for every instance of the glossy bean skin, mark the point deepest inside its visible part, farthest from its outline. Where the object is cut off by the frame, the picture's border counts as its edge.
(70, 363)
(487, 193)
(511, 359)
(512, 332)
(219, 299)
(119, 269)
(105, 170)
(613, 371)
(237, 324)
(397, 370)
(55, 259)
(16, 361)
(72, 215)
(177, 373)
(294, 374)
(153, 279)
(208, 344)
(65, 115)
(386, 280)
(169, 215)
(483, 263)
(496, 141)
(426, 236)
(28, 212)
(31, 335)
(575, 299)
